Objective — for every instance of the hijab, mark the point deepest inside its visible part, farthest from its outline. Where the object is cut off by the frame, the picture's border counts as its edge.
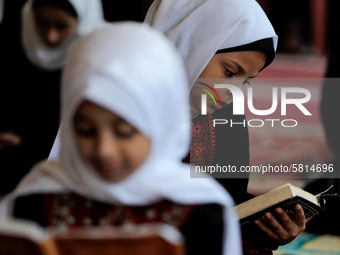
(89, 15)
(265, 45)
(132, 70)
(200, 28)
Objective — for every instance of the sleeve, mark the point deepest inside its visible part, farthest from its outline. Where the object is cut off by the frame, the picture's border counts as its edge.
(30, 208)
(203, 231)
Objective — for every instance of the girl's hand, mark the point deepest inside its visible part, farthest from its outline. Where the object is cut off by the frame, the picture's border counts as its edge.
(9, 139)
(283, 229)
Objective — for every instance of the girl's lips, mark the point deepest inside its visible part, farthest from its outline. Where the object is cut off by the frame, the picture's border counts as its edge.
(109, 169)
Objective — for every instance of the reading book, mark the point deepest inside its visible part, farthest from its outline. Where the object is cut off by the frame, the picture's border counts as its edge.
(285, 196)
(23, 237)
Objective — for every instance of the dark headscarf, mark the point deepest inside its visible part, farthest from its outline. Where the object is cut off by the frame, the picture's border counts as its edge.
(265, 45)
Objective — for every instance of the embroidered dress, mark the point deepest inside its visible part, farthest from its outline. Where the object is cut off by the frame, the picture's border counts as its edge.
(202, 141)
(221, 146)
(71, 210)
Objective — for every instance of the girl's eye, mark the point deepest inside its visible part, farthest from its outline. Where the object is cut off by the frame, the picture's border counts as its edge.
(82, 127)
(61, 26)
(41, 24)
(84, 131)
(229, 73)
(124, 131)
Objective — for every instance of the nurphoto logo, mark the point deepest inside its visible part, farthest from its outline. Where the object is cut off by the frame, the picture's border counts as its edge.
(280, 98)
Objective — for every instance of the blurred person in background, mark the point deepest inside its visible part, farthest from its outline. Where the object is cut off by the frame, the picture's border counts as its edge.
(32, 61)
(328, 221)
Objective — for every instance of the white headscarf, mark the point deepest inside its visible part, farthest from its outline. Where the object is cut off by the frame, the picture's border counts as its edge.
(201, 27)
(90, 17)
(132, 70)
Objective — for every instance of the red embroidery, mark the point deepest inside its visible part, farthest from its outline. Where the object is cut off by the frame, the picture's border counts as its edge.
(72, 210)
(202, 148)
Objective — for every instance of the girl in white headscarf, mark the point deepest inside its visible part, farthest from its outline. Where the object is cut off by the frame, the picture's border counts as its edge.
(126, 128)
(42, 47)
(29, 103)
(228, 42)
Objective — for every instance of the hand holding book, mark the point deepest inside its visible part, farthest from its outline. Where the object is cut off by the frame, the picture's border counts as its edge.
(281, 214)
(280, 227)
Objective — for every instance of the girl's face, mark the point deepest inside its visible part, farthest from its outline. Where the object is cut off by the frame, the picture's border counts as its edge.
(113, 147)
(54, 25)
(237, 67)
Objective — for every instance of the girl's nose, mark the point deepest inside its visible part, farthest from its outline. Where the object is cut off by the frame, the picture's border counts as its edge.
(52, 37)
(108, 146)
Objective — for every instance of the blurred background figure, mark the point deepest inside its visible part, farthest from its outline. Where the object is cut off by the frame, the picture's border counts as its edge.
(32, 52)
(329, 106)
(330, 102)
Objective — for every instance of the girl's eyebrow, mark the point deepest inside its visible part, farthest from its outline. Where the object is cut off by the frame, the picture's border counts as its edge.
(119, 119)
(78, 116)
(240, 68)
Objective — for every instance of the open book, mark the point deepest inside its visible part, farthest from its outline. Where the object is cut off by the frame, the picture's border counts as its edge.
(23, 237)
(285, 196)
